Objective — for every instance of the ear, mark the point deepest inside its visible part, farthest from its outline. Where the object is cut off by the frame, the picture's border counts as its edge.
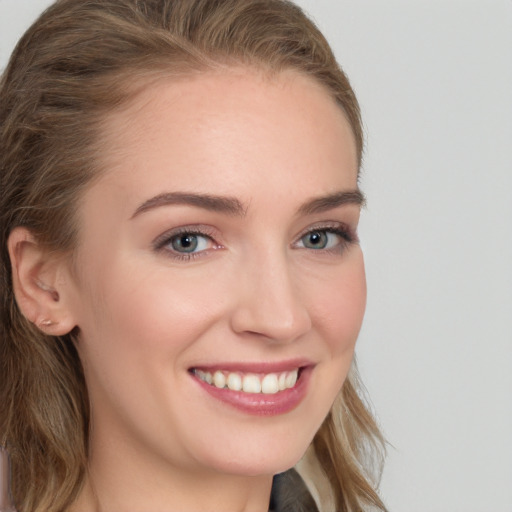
(41, 283)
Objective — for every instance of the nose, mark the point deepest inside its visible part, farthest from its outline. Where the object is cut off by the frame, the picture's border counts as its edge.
(269, 304)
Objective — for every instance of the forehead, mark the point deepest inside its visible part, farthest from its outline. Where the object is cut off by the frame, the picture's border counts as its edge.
(213, 131)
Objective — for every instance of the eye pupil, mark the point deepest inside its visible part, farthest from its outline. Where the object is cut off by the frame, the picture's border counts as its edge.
(185, 243)
(316, 240)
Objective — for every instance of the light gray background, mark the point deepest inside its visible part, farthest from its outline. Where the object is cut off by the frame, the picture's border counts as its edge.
(434, 79)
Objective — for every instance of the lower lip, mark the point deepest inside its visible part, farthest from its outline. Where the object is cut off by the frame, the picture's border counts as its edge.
(262, 404)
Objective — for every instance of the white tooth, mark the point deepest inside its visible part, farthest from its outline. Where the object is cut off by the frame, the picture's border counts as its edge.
(251, 384)
(291, 379)
(234, 382)
(219, 379)
(270, 384)
(208, 377)
(282, 381)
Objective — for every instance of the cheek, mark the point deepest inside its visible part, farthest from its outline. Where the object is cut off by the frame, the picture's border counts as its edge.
(147, 313)
(136, 332)
(339, 309)
(141, 323)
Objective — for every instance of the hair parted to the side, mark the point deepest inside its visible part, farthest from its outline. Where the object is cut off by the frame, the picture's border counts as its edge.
(79, 61)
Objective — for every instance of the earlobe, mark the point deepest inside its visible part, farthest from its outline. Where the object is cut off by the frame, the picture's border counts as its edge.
(40, 290)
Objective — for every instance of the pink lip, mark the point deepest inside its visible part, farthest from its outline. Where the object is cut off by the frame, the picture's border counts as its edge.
(260, 404)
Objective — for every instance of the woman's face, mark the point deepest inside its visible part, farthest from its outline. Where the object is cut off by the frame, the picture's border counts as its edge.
(219, 245)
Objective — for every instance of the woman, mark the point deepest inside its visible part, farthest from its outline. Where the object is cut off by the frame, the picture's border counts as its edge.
(182, 283)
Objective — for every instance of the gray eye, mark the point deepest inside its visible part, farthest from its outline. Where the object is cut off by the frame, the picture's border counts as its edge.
(316, 240)
(188, 242)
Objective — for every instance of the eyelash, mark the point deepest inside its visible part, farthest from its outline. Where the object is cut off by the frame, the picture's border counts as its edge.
(200, 231)
(347, 238)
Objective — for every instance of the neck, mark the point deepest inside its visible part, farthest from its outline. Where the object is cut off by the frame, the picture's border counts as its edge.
(131, 487)
(226, 495)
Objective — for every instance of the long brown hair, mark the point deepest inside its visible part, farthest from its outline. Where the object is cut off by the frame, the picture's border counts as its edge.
(80, 60)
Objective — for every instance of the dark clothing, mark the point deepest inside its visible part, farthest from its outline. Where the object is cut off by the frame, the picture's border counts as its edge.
(290, 494)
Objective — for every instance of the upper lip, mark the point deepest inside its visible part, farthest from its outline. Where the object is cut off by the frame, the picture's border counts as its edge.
(255, 367)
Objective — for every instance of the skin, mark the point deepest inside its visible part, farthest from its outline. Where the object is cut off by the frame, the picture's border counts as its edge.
(253, 292)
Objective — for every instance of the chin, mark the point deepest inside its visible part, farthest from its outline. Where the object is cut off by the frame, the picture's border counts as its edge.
(259, 459)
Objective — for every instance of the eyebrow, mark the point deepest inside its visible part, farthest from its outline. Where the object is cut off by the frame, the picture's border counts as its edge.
(221, 204)
(232, 206)
(332, 201)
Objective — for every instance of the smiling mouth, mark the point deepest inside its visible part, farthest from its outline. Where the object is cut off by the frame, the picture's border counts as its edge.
(254, 383)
